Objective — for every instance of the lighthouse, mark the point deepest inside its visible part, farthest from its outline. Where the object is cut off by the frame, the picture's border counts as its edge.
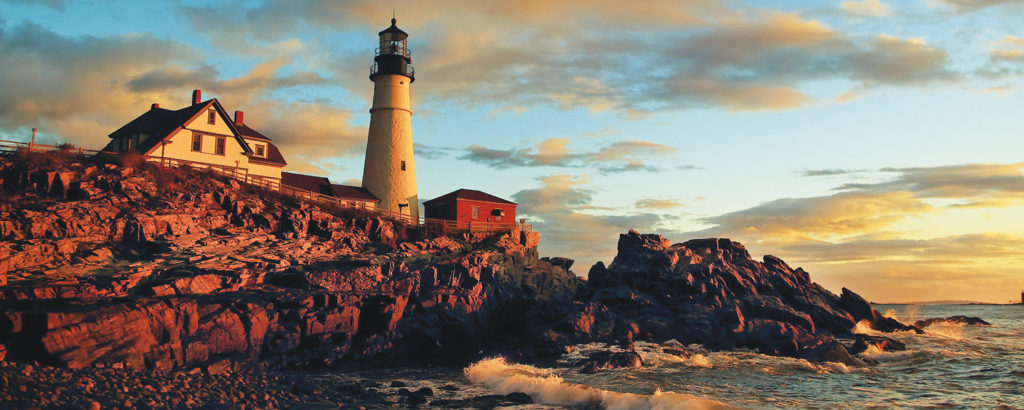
(389, 171)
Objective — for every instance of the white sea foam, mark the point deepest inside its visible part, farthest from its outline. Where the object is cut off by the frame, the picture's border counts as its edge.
(954, 331)
(545, 387)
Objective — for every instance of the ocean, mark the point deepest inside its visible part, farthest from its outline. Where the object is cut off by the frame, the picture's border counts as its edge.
(951, 366)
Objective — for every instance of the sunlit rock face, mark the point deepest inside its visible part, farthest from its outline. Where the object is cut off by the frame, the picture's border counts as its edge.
(151, 268)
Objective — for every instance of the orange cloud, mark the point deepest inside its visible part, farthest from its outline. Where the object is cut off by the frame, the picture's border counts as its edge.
(619, 156)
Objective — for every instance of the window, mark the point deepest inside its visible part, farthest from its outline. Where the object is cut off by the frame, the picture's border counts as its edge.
(211, 117)
(403, 165)
(197, 142)
(128, 144)
(220, 146)
(476, 212)
(259, 150)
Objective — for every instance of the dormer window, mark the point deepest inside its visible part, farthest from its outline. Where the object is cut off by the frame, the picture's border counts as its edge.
(260, 150)
(211, 117)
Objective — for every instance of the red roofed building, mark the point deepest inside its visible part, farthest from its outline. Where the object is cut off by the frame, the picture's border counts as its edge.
(467, 206)
(352, 196)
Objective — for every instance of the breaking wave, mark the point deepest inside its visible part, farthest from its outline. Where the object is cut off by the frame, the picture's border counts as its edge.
(546, 387)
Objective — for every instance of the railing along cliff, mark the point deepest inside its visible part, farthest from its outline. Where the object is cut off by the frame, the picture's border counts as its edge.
(241, 174)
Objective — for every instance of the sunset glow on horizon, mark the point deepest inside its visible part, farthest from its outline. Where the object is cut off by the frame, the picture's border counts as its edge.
(875, 143)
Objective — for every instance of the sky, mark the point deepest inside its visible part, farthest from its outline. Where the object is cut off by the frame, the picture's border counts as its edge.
(877, 144)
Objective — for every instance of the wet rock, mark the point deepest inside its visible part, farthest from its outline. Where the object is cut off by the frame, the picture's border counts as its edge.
(424, 391)
(830, 352)
(518, 398)
(885, 324)
(880, 343)
(611, 360)
(958, 319)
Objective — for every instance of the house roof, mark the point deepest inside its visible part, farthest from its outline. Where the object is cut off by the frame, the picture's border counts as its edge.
(320, 185)
(273, 155)
(469, 194)
(353, 192)
(250, 133)
(160, 123)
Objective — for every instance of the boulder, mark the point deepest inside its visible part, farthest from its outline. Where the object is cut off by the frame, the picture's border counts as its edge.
(959, 319)
(881, 343)
(606, 360)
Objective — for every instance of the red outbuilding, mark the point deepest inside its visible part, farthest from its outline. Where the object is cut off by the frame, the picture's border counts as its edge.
(472, 209)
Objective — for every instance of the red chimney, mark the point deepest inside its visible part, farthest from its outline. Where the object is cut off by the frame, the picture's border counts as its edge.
(197, 95)
(155, 106)
(238, 117)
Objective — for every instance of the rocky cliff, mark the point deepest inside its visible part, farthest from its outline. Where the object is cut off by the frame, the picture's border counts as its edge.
(127, 264)
(140, 266)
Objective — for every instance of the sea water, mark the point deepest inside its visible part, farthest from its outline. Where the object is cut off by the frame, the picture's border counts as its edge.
(949, 366)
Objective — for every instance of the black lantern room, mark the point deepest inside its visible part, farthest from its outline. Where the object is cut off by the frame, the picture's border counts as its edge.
(393, 55)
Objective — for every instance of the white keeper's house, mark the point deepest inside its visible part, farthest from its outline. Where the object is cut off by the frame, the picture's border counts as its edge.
(201, 132)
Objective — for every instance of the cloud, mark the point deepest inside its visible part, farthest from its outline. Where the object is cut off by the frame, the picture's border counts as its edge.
(432, 152)
(310, 133)
(825, 172)
(800, 219)
(1008, 48)
(898, 61)
(971, 184)
(616, 157)
(973, 5)
(870, 247)
(654, 203)
(661, 55)
(866, 8)
(73, 86)
(559, 211)
(54, 4)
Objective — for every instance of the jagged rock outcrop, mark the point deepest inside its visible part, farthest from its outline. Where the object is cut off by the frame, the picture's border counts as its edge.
(710, 291)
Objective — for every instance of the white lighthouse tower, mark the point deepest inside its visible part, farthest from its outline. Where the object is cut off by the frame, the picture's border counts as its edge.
(390, 169)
